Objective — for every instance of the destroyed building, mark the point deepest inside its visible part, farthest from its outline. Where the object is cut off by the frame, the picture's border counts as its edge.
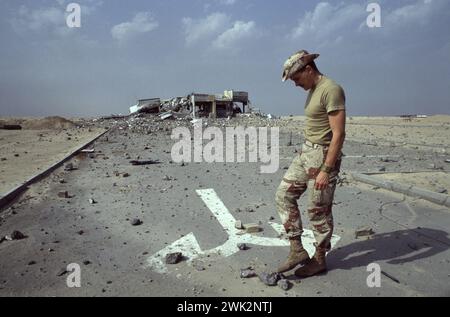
(197, 105)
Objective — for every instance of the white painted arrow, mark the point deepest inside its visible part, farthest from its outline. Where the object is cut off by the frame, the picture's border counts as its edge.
(190, 248)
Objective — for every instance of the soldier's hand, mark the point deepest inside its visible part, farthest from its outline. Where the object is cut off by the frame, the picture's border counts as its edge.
(322, 181)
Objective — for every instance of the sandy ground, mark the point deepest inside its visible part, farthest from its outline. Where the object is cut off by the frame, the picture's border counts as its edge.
(25, 153)
(432, 133)
(437, 182)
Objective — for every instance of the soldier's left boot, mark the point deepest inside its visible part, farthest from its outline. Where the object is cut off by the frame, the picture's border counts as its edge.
(315, 266)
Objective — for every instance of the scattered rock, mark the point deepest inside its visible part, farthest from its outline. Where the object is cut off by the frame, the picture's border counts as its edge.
(87, 262)
(81, 232)
(31, 263)
(141, 163)
(382, 169)
(62, 272)
(364, 232)
(252, 228)
(249, 209)
(69, 167)
(136, 222)
(174, 258)
(284, 284)
(248, 273)
(243, 247)
(442, 190)
(92, 201)
(125, 175)
(17, 235)
(238, 225)
(270, 279)
(63, 194)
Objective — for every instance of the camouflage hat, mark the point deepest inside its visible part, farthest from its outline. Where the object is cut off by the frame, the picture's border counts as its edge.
(297, 62)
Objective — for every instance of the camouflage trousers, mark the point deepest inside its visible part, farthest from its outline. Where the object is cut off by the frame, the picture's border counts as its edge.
(301, 175)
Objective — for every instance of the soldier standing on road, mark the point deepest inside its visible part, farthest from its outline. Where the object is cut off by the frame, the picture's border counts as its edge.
(317, 165)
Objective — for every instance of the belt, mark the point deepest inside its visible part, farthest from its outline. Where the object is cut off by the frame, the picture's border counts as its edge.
(314, 145)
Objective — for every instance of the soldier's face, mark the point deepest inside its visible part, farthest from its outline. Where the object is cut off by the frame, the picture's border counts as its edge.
(302, 79)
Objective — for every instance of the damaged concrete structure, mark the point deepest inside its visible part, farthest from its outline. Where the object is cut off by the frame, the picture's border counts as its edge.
(147, 106)
(198, 105)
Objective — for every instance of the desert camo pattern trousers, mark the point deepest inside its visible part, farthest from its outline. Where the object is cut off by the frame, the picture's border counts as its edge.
(300, 176)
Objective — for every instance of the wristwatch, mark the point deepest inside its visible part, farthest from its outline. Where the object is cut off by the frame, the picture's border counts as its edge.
(325, 168)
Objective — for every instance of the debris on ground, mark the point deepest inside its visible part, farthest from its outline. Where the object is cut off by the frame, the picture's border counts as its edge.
(17, 235)
(248, 272)
(252, 228)
(270, 279)
(243, 246)
(136, 222)
(364, 232)
(63, 194)
(69, 167)
(390, 277)
(284, 284)
(174, 258)
(238, 225)
(10, 127)
(140, 163)
(62, 272)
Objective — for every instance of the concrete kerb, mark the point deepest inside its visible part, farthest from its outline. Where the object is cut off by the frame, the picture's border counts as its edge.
(11, 195)
(409, 190)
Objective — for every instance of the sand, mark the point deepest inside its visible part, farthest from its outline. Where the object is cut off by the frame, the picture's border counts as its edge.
(41, 143)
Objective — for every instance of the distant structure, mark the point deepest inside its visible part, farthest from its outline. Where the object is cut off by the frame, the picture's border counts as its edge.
(199, 105)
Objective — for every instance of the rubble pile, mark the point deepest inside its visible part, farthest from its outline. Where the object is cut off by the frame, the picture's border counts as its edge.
(177, 104)
(148, 123)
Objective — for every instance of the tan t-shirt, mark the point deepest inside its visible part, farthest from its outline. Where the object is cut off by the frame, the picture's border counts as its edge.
(326, 97)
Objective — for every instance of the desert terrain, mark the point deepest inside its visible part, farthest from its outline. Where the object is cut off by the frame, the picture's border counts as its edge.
(118, 219)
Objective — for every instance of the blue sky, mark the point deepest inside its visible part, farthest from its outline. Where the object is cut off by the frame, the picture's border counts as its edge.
(127, 50)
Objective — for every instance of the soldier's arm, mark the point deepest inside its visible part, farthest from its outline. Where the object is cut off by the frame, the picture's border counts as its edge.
(337, 124)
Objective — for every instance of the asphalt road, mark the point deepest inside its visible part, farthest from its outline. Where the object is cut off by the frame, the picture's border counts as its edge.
(411, 241)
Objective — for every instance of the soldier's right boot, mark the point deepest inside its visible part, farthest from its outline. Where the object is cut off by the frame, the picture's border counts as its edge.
(297, 256)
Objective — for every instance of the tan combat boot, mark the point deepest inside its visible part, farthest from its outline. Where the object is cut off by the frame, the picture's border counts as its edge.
(316, 266)
(297, 255)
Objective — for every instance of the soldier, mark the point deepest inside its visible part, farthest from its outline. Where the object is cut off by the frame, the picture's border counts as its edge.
(316, 167)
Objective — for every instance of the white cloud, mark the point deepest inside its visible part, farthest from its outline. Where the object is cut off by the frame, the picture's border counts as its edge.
(49, 19)
(231, 37)
(88, 7)
(328, 21)
(418, 13)
(143, 22)
(38, 19)
(228, 2)
(196, 30)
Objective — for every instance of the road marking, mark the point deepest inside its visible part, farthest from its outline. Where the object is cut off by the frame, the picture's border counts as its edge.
(189, 246)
